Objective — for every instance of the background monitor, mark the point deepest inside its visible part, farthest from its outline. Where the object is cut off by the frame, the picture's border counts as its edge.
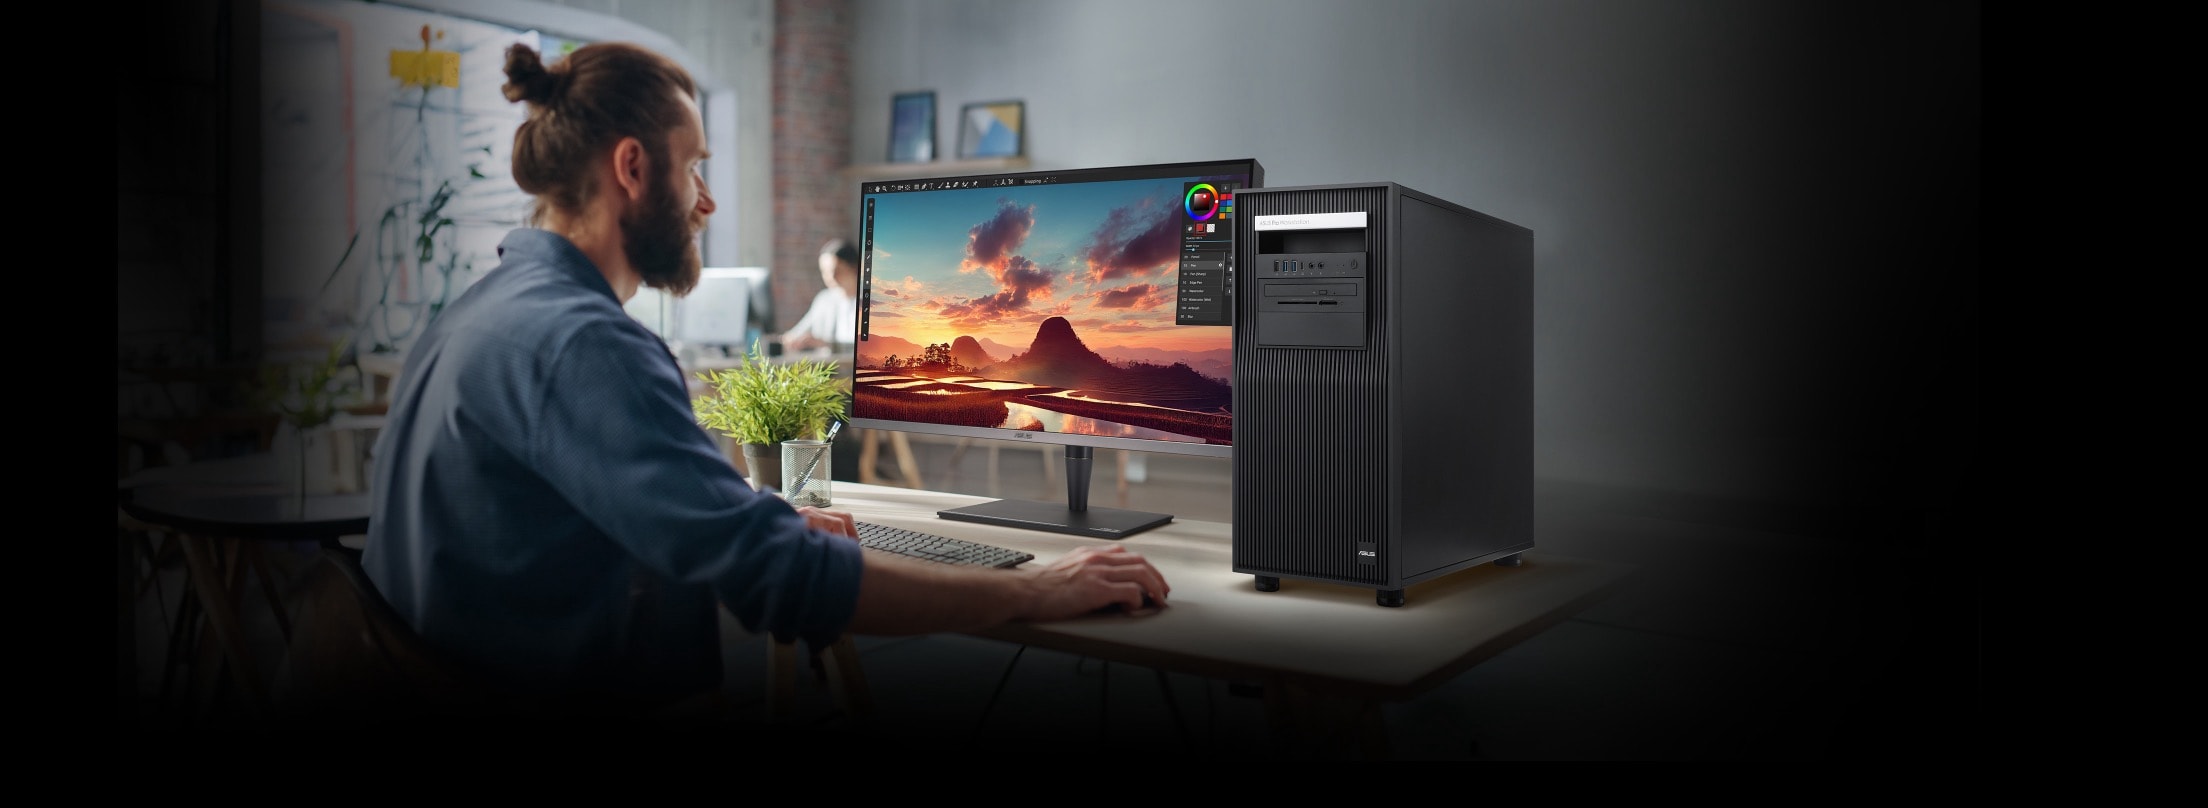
(723, 311)
(1088, 308)
(650, 307)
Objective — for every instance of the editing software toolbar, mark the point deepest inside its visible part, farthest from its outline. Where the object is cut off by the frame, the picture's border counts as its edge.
(1207, 254)
(952, 185)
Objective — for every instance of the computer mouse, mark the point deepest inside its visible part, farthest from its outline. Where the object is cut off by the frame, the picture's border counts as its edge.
(1116, 607)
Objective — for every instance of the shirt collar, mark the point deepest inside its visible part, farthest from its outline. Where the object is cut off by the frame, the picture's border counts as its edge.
(544, 246)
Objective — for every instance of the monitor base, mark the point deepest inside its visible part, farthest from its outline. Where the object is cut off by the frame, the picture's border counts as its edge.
(1098, 523)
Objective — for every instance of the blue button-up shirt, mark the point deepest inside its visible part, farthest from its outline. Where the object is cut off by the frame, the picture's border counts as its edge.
(549, 513)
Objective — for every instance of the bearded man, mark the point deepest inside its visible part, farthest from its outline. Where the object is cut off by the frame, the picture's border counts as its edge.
(547, 513)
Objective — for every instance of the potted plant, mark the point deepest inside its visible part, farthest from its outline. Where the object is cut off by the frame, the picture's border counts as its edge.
(761, 403)
(306, 395)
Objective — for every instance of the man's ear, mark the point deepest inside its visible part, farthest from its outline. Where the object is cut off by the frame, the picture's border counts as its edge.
(631, 165)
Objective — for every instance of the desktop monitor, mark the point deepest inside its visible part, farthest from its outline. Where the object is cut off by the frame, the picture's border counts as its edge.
(649, 306)
(1087, 308)
(723, 311)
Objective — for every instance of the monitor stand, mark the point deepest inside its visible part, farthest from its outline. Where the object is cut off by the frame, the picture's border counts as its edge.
(1074, 517)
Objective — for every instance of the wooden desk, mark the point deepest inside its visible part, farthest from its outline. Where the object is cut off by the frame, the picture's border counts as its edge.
(1327, 656)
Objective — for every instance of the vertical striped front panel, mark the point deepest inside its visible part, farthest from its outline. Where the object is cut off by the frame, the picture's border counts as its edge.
(1311, 445)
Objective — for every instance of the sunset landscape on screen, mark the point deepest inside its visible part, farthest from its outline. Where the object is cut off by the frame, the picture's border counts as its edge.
(1047, 308)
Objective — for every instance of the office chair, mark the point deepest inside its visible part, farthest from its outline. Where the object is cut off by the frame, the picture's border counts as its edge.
(409, 669)
(417, 681)
(836, 666)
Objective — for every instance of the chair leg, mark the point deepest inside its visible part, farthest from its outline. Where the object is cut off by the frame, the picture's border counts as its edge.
(958, 453)
(257, 560)
(1123, 477)
(781, 681)
(848, 680)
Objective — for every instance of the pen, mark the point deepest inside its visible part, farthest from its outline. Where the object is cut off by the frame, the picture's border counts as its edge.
(807, 475)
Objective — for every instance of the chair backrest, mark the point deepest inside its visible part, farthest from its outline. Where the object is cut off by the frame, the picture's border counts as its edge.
(431, 680)
(431, 686)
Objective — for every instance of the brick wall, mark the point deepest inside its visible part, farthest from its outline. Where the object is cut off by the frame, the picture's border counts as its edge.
(812, 144)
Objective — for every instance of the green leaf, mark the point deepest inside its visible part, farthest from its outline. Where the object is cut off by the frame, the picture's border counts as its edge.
(760, 401)
(305, 394)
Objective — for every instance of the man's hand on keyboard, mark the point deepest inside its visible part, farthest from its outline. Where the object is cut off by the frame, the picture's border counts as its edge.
(1094, 577)
(837, 522)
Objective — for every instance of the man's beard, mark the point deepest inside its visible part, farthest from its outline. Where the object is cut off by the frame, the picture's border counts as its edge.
(660, 244)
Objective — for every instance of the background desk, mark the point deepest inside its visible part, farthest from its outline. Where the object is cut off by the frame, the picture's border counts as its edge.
(220, 512)
(1327, 656)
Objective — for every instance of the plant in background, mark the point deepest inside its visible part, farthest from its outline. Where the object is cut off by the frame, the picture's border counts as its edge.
(759, 402)
(306, 394)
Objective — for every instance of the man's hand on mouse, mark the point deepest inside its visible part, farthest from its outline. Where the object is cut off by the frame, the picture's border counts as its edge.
(1093, 577)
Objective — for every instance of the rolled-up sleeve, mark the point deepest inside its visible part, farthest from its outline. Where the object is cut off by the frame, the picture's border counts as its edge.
(615, 434)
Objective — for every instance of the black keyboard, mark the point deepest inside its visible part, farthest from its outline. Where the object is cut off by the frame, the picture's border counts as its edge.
(942, 549)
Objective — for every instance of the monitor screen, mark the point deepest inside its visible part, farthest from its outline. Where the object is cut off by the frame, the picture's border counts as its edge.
(718, 311)
(1081, 307)
(649, 306)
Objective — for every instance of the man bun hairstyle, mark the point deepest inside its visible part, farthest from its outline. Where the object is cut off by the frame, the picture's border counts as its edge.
(526, 78)
(581, 105)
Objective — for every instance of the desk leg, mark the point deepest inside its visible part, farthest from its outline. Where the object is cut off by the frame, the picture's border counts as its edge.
(232, 563)
(1312, 725)
(222, 615)
(257, 564)
(180, 638)
(126, 623)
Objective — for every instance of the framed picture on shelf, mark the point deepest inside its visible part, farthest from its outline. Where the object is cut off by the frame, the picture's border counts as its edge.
(992, 129)
(912, 127)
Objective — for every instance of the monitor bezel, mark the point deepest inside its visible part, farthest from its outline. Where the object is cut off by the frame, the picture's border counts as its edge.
(1198, 449)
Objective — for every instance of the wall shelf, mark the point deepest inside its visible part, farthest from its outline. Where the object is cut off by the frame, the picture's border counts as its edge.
(866, 172)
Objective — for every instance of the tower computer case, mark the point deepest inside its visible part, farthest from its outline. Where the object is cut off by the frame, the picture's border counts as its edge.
(1383, 387)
